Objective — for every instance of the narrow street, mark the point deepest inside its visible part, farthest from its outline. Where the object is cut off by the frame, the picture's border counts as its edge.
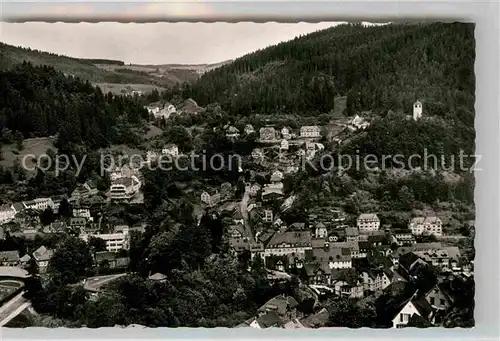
(244, 213)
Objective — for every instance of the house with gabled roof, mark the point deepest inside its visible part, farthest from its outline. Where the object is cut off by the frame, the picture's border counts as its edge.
(210, 197)
(368, 222)
(285, 242)
(310, 131)
(439, 297)
(375, 280)
(351, 234)
(430, 225)
(345, 282)
(284, 306)
(42, 256)
(413, 306)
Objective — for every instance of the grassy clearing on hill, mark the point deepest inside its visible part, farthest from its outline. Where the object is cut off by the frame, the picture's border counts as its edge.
(120, 89)
(35, 146)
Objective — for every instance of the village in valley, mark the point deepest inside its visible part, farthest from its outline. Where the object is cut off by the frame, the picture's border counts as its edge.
(330, 252)
(236, 198)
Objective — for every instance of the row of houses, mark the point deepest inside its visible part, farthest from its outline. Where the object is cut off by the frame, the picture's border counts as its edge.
(269, 133)
(9, 211)
(41, 256)
(430, 225)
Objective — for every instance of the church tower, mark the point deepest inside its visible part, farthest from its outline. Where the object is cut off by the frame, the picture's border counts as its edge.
(417, 110)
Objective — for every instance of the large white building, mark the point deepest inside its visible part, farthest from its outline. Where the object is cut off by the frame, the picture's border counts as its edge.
(310, 131)
(119, 240)
(426, 225)
(368, 222)
(39, 204)
(288, 242)
(124, 188)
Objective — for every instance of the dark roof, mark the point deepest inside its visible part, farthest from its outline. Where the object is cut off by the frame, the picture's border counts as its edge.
(347, 275)
(239, 244)
(316, 320)
(9, 256)
(417, 320)
(351, 231)
(269, 319)
(423, 307)
(237, 215)
(364, 245)
(377, 238)
(297, 238)
(104, 255)
(279, 304)
(407, 260)
(299, 226)
(331, 254)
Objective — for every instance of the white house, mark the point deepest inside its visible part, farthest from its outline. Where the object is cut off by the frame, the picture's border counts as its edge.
(39, 204)
(284, 145)
(375, 280)
(267, 134)
(426, 226)
(7, 213)
(210, 199)
(310, 131)
(268, 216)
(368, 222)
(417, 110)
(232, 132)
(257, 154)
(119, 240)
(82, 212)
(285, 133)
(124, 188)
(249, 129)
(171, 150)
(412, 307)
(158, 112)
(254, 189)
(321, 231)
(277, 176)
(42, 255)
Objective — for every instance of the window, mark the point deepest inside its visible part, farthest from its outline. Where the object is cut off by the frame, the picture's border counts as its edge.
(432, 300)
(442, 302)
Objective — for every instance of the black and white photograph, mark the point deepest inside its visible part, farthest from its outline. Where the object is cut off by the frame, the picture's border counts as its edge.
(239, 175)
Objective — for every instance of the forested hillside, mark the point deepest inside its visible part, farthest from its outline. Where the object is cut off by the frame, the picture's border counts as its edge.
(40, 101)
(378, 68)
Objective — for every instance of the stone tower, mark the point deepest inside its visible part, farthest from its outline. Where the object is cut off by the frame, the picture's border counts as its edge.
(417, 110)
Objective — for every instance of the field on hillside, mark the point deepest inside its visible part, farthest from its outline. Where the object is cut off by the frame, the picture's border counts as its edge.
(35, 146)
(119, 89)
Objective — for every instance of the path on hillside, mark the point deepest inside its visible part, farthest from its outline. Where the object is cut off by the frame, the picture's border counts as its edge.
(13, 307)
(244, 213)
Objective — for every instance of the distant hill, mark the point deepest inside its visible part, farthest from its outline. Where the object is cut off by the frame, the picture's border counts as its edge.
(378, 68)
(96, 70)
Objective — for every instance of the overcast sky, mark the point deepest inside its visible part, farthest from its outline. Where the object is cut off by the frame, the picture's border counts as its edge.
(153, 43)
